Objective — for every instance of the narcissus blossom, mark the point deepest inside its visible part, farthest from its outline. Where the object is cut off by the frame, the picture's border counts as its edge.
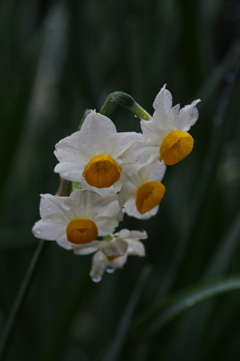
(112, 253)
(142, 190)
(77, 219)
(94, 153)
(166, 132)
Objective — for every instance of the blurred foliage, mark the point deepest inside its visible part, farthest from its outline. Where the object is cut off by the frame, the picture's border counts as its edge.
(59, 58)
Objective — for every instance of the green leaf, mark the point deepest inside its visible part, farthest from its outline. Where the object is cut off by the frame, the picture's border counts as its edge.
(218, 265)
(164, 311)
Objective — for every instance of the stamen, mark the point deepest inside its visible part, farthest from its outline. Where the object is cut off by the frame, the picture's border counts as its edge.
(175, 147)
(102, 171)
(80, 231)
(149, 195)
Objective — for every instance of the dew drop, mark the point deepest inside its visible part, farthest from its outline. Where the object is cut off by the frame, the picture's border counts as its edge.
(110, 270)
(96, 279)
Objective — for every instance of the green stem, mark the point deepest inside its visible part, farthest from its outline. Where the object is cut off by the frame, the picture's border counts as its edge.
(12, 320)
(126, 101)
(10, 326)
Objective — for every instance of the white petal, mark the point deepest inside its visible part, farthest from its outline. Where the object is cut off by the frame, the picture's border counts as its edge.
(135, 248)
(105, 225)
(124, 233)
(109, 206)
(70, 170)
(119, 262)
(48, 230)
(50, 204)
(110, 191)
(163, 100)
(157, 171)
(99, 264)
(63, 242)
(142, 153)
(87, 248)
(98, 129)
(119, 143)
(130, 176)
(116, 249)
(127, 192)
(138, 235)
(68, 149)
(84, 203)
(187, 116)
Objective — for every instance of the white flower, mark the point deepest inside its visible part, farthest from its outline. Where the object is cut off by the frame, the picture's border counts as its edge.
(113, 253)
(142, 191)
(94, 153)
(77, 219)
(166, 132)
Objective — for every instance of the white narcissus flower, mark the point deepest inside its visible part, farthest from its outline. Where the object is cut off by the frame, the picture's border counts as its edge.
(112, 253)
(94, 153)
(77, 219)
(142, 191)
(166, 132)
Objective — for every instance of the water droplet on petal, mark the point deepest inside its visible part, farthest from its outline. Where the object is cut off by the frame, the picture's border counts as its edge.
(96, 279)
(110, 270)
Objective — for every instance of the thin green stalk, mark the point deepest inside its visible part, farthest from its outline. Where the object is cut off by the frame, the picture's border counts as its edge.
(10, 326)
(12, 320)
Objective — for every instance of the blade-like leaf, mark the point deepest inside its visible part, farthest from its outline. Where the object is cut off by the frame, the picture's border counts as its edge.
(164, 311)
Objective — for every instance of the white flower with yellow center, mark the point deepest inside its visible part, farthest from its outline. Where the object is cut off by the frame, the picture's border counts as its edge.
(112, 253)
(142, 190)
(77, 219)
(94, 153)
(166, 132)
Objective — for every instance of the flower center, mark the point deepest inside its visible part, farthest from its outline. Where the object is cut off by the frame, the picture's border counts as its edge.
(149, 195)
(175, 147)
(102, 171)
(80, 231)
(111, 258)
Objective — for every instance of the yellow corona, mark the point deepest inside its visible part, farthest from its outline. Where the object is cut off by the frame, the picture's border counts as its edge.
(102, 171)
(80, 231)
(149, 195)
(175, 147)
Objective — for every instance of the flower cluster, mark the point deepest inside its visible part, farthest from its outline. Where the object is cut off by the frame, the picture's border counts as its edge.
(117, 173)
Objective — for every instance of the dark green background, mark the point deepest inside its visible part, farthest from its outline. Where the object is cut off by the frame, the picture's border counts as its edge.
(59, 58)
